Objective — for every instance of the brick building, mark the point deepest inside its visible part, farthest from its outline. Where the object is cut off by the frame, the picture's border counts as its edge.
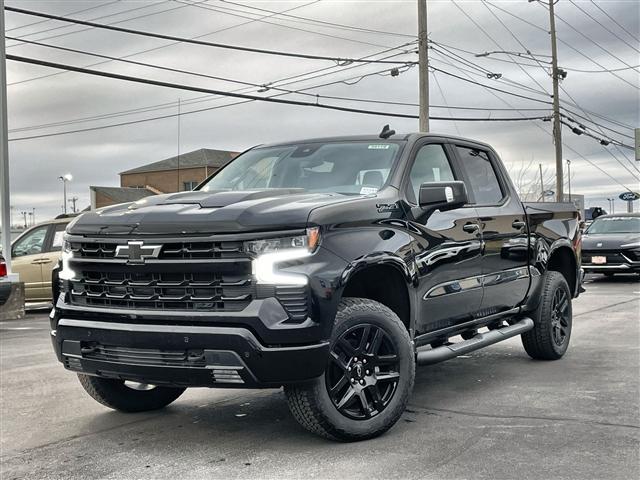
(174, 174)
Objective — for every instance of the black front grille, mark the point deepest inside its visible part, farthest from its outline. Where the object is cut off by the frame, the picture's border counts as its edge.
(140, 356)
(185, 276)
(132, 289)
(213, 285)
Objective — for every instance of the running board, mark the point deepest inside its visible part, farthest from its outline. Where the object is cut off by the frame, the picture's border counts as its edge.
(481, 340)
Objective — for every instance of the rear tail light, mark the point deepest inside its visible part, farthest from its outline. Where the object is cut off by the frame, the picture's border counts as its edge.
(3, 269)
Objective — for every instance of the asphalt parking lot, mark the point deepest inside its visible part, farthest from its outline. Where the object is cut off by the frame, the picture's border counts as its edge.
(493, 414)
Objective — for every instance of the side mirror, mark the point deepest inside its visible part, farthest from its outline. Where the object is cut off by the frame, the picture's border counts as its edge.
(443, 195)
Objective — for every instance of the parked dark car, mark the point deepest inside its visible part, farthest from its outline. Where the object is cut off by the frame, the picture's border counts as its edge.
(329, 266)
(611, 244)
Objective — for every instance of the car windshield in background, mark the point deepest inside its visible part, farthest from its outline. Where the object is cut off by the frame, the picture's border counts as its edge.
(353, 168)
(615, 225)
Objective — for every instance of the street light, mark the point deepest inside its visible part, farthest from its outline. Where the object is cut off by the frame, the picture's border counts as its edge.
(65, 178)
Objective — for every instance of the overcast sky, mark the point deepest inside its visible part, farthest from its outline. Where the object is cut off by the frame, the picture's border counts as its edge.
(96, 157)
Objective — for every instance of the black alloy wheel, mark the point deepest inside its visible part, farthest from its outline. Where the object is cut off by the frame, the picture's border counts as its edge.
(560, 317)
(363, 372)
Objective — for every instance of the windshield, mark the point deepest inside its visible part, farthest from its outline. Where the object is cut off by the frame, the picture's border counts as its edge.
(354, 168)
(615, 225)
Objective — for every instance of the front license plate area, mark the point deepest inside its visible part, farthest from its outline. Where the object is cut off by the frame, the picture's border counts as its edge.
(598, 260)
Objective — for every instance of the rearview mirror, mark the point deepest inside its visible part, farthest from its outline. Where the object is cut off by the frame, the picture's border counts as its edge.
(443, 195)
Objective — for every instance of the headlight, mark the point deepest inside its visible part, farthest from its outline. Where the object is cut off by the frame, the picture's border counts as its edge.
(631, 245)
(66, 273)
(308, 242)
(272, 251)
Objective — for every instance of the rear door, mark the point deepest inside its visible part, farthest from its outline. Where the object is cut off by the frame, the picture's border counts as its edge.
(448, 251)
(27, 258)
(505, 271)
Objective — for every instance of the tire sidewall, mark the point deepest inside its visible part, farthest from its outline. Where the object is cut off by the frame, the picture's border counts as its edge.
(556, 281)
(391, 324)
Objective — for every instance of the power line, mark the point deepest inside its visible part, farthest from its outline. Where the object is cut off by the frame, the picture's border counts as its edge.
(519, 42)
(94, 7)
(490, 87)
(490, 90)
(205, 98)
(563, 42)
(603, 26)
(444, 98)
(595, 114)
(340, 60)
(496, 43)
(235, 95)
(152, 49)
(498, 77)
(61, 27)
(330, 24)
(600, 140)
(589, 38)
(243, 14)
(589, 119)
(616, 22)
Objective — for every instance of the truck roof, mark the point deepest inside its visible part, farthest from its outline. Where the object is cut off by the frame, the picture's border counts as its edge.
(375, 138)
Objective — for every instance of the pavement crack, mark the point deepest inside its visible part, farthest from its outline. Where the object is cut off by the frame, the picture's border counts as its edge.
(524, 417)
(604, 308)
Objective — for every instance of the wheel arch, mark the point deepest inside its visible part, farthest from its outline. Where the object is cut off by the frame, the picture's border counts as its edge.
(562, 259)
(387, 282)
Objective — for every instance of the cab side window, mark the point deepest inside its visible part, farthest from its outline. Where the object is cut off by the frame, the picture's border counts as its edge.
(483, 181)
(431, 165)
(32, 243)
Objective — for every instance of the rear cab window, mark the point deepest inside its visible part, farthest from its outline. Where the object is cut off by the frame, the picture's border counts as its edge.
(482, 179)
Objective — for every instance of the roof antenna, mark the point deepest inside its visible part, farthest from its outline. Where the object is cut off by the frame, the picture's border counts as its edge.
(386, 132)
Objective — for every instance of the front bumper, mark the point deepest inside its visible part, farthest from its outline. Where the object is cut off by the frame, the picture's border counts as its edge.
(183, 355)
(616, 261)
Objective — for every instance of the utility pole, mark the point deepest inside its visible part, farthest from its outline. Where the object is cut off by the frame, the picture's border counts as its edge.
(557, 126)
(24, 219)
(569, 177)
(33, 212)
(423, 65)
(73, 201)
(178, 186)
(65, 178)
(541, 182)
(5, 215)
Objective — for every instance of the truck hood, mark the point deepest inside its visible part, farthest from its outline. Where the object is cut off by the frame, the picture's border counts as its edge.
(608, 241)
(206, 212)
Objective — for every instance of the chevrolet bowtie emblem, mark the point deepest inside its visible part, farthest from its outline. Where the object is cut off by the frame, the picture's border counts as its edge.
(137, 252)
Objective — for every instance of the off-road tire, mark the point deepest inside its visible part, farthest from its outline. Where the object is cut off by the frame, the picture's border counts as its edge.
(539, 342)
(310, 403)
(115, 394)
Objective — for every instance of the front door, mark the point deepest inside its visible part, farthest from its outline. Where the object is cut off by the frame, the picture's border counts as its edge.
(505, 268)
(448, 256)
(27, 258)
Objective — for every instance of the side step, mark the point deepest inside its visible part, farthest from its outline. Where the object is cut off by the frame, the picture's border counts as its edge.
(445, 352)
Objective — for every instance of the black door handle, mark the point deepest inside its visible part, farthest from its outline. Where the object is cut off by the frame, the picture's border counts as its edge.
(518, 224)
(471, 227)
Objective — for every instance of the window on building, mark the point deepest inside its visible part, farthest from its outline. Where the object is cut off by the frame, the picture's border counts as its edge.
(188, 186)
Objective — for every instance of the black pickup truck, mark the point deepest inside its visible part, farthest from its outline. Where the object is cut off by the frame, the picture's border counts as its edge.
(330, 267)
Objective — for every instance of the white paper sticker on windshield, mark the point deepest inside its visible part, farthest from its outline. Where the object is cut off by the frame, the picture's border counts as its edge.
(368, 190)
(379, 146)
